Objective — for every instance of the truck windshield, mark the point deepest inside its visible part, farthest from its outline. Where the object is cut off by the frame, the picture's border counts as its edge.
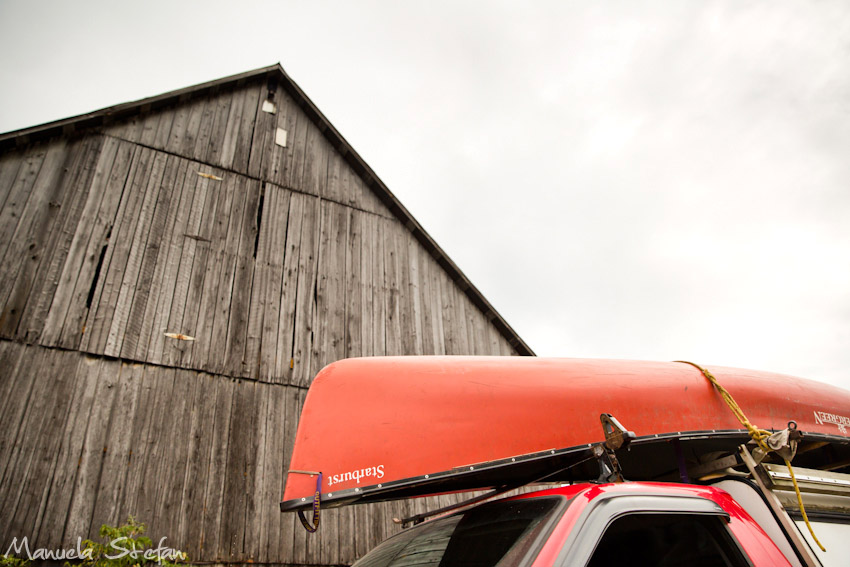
(498, 533)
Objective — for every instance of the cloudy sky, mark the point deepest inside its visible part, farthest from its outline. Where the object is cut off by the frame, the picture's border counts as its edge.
(650, 180)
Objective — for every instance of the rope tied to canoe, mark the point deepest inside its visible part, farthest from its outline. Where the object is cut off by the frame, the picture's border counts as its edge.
(313, 525)
(760, 436)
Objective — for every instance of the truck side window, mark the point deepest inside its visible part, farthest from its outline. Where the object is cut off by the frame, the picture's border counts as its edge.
(504, 533)
(668, 540)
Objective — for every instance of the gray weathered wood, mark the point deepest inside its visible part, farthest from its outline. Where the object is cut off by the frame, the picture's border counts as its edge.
(188, 219)
(91, 459)
(26, 248)
(136, 268)
(147, 278)
(278, 351)
(81, 259)
(10, 163)
(302, 373)
(57, 512)
(192, 500)
(100, 315)
(118, 446)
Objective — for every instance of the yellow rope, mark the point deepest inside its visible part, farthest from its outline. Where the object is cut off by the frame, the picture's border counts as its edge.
(758, 435)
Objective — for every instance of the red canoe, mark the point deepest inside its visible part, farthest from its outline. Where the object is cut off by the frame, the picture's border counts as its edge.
(383, 428)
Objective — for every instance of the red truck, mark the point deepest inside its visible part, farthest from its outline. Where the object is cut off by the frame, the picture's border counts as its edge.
(684, 485)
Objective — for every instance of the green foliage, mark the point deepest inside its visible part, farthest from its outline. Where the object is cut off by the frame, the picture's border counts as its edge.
(127, 546)
(11, 561)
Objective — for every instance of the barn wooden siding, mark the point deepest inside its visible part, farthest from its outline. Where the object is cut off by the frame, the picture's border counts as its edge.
(190, 220)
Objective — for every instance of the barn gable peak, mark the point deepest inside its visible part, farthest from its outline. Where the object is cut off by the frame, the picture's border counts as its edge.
(274, 91)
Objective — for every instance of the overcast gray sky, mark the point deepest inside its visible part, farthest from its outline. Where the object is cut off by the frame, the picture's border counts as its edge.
(650, 180)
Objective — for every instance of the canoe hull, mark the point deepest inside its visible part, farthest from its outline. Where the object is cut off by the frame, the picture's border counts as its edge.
(371, 424)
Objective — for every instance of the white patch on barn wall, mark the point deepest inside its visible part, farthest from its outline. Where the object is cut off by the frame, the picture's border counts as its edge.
(280, 137)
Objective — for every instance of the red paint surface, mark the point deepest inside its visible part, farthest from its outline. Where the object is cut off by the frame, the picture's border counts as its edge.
(755, 542)
(419, 415)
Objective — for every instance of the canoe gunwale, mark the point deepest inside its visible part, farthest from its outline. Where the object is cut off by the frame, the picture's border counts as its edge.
(464, 478)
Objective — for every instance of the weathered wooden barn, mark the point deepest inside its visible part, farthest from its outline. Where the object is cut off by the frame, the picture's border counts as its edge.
(173, 272)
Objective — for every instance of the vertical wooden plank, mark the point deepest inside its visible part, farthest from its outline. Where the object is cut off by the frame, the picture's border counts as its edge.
(380, 289)
(280, 366)
(367, 291)
(159, 309)
(406, 325)
(259, 302)
(242, 152)
(507, 349)
(192, 503)
(217, 355)
(211, 132)
(262, 141)
(329, 316)
(479, 326)
(19, 194)
(213, 308)
(437, 309)
(425, 295)
(27, 247)
(182, 314)
(240, 299)
(100, 315)
(336, 185)
(150, 387)
(354, 287)
(274, 159)
(197, 111)
(392, 276)
(91, 278)
(57, 244)
(150, 125)
(207, 271)
(152, 260)
(214, 492)
(179, 124)
(237, 468)
(460, 320)
(305, 294)
(415, 294)
(47, 322)
(154, 453)
(10, 164)
(145, 217)
(297, 125)
(156, 275)
(65, 385)
(118, 445)
(259, 503)
(231, 129)
(163, 128)
(263, 327)
(68, 462)
(317, 152)
(88, 470)
(447, 297)
(13, 391)
(14, 418)
(174, 460)
(493, 336)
